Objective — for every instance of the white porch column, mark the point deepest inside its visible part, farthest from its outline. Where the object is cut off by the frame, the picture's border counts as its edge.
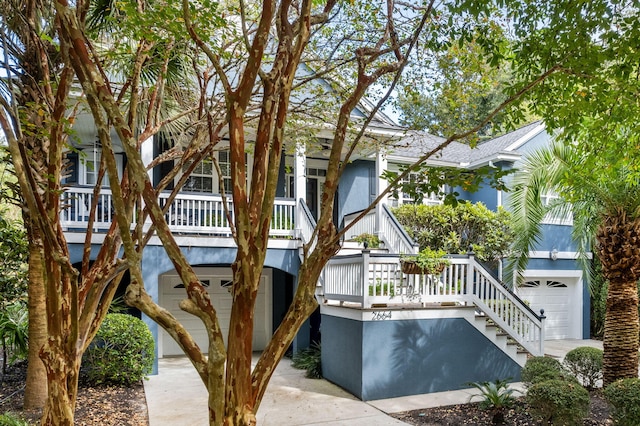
(300, 181)
(300, 170)
(381, 166)
(146, 153)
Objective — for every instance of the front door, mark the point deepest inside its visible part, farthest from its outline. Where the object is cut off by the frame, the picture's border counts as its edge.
(313, 196)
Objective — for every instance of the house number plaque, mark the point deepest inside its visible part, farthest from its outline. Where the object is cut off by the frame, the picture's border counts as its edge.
(380, 315)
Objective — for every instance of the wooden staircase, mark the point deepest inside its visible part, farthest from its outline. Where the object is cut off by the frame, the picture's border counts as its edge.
(500, 338)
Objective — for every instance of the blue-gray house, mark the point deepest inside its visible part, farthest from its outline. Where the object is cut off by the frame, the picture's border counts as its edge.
(385, 332)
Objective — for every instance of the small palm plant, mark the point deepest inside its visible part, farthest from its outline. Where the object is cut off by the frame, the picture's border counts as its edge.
(14, 333)
(309, 359)
(496, 397)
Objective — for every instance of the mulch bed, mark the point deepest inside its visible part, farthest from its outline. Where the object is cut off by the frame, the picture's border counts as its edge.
(102, 405)
(472, 414)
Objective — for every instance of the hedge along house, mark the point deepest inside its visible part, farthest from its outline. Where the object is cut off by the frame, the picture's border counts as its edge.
(385, 333)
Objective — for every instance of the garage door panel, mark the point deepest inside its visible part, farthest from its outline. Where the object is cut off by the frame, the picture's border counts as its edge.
(172, 292)
(555, 297)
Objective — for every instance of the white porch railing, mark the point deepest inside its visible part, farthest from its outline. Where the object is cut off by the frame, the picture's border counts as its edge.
(188, 213)
(373, 280)
(76, 205)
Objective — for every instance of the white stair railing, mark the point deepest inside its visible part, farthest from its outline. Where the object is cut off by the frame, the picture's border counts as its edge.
(393, 234)
(506, 309)
(366, 225)
(306, 225)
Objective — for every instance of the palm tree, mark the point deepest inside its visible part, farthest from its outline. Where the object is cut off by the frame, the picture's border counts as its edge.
(603, 195)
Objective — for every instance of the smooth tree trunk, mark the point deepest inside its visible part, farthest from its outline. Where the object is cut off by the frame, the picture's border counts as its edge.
(35, 391)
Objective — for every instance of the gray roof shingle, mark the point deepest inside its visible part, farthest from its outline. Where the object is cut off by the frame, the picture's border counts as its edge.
(415, 144)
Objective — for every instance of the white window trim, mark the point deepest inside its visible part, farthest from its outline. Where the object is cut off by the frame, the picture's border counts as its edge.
(429, 199)
(546, 198)
(94, 155)
(215, 179)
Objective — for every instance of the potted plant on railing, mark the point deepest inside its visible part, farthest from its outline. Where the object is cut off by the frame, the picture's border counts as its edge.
(367, 240)
(427, 261)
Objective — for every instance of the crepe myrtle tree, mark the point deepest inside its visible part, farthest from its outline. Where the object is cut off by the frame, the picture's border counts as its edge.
(273, 40)
(37, 111)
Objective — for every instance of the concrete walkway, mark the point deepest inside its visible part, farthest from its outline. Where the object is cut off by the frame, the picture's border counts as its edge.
(177, 397)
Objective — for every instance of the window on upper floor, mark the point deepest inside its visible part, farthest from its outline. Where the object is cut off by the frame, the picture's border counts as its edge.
(405, 197)
(204, 177)
(201, 178)
(224, 161)
(549, 198)
(90, 167)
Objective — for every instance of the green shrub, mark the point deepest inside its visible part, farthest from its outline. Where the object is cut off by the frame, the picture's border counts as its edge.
(455, 229)
(624, 397)
(585, 364)
(382, 289)
(14, 332)
(10, 419)
(559, 402)
(309, 359)
(121, 353)
(496, 397)
(371, 240)
(541, 368)
(14, 252)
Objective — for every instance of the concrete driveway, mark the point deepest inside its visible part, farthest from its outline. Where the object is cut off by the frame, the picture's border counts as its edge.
(177, 397)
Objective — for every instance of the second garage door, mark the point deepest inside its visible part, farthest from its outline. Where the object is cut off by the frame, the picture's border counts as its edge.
(562, 303)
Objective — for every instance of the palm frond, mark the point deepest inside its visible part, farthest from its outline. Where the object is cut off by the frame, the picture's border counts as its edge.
(540, 174)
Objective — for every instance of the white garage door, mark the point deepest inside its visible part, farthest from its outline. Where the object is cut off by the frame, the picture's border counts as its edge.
(561, 300)
(217, 281)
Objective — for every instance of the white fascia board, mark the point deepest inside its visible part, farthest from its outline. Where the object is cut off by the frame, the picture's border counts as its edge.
(430, 161)
(385, 131)
(517, 144)
(328, 131)
(566, 255)
(557, 273)
(503, 156)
